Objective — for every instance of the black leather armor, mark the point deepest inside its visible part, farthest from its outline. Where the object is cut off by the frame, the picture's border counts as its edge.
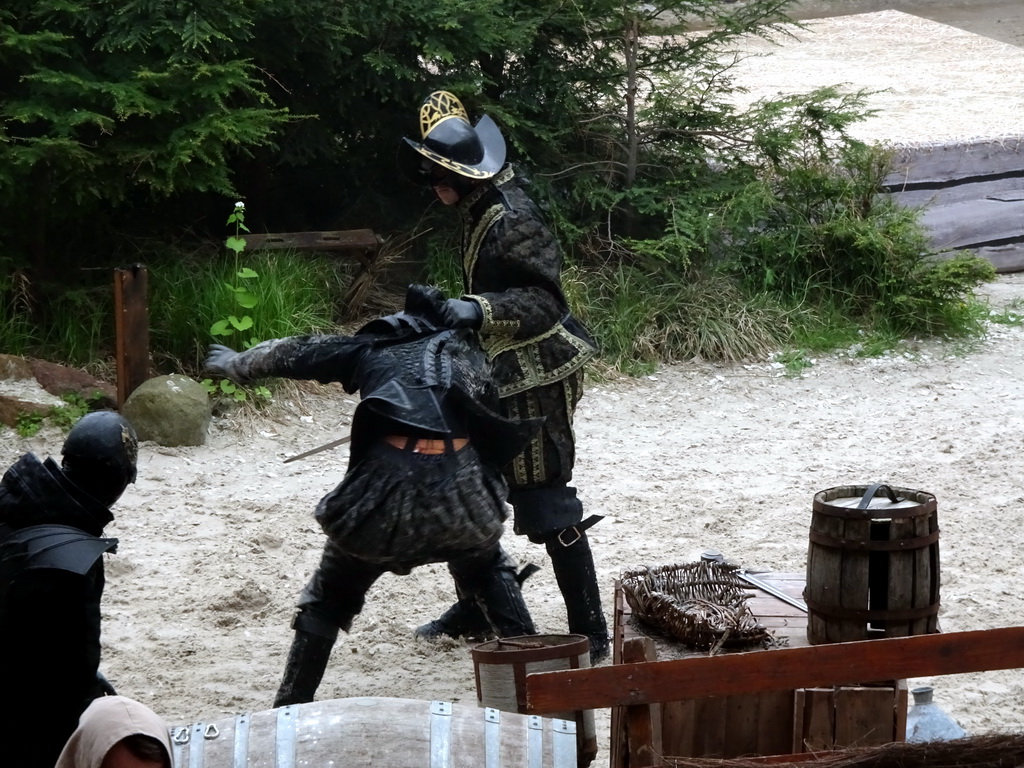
(413, 377)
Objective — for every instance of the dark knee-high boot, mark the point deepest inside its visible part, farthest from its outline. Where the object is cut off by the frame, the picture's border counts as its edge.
(465, 618)
(500, 599)
(307, 661)
(576, 575)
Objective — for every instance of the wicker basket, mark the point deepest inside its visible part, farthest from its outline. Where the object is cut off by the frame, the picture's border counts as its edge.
(702, 604)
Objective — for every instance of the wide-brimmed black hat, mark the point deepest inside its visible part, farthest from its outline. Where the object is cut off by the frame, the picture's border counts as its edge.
(449, 140)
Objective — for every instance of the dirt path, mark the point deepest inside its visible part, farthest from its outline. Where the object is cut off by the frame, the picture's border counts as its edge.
(1001, 20)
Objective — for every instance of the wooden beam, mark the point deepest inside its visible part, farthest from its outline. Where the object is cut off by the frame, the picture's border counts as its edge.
(339, 240)
(939, 164)
(1005, 258)
(975, 223)
(970, 189)
(777, 669)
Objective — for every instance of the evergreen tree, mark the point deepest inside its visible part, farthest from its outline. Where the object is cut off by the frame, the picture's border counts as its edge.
(106, 106)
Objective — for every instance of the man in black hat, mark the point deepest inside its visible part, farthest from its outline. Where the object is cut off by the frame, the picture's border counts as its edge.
(423, 483)
(514, 300)
(51, 583)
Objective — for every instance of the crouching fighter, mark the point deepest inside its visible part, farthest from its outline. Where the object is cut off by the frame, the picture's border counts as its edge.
(51, 583)
(423, 484)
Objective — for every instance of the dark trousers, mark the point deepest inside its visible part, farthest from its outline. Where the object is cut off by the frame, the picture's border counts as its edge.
(336, 593)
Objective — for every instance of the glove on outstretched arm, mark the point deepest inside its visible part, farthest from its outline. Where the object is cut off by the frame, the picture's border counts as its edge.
(223, 361)
(462, 313)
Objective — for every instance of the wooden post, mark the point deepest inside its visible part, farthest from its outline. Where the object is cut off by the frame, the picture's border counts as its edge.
(643, 743)
(131, 317)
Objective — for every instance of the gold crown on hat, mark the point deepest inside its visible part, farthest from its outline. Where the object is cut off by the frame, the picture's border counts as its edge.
(438, 107)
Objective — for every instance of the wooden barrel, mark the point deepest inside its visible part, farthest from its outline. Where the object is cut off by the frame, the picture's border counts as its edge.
(501, 667)
(872, 564)
(397, 733)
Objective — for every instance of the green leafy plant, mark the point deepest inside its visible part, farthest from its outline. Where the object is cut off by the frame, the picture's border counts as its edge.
(1012, 314)
(795, 361)
(242, 293)
(245, 298)
(28, 423)
(65, 416)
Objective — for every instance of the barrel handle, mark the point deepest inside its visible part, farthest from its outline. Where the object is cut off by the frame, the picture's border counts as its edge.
(873, 489)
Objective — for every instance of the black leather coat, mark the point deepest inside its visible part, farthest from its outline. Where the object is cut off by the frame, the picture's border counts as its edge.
(414, 378)
(49, 610)
(512, 268)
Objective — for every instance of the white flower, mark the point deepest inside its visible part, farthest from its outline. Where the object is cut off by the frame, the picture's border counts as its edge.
(239, 204)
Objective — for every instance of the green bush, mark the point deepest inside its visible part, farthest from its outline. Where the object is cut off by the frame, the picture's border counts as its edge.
(820, 235)
(188, 292)
(695, 228)
(62, 416)
(641, 319)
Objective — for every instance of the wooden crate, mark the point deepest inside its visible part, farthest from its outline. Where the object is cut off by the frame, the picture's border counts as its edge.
(766, 723)
(636, 689)
(849, 716)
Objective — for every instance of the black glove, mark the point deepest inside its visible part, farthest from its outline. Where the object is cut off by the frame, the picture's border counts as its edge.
(461, 313)
(223, 361)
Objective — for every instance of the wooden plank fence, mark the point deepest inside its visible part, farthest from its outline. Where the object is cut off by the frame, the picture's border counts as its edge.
(363, 245)
(972, 194)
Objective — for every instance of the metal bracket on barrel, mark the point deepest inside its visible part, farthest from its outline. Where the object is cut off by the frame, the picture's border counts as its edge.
(440, 734)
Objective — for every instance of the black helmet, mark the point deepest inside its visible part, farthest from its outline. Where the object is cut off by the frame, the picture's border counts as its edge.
(100, 454)
(447, 139)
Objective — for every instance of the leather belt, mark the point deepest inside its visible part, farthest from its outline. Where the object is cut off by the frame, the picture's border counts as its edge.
(427, 446)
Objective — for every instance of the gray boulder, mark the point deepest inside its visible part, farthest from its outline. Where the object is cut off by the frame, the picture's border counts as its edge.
(169, 410)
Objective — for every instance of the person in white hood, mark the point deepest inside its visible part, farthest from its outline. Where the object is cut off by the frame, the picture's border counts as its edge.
(117, 732)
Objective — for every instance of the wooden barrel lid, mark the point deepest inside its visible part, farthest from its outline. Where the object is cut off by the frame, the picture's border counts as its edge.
(878, 502)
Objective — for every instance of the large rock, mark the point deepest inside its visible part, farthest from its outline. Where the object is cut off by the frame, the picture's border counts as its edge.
(15, 368)
(169, 410)
(59, 380)
(36, 387)
(12, 408)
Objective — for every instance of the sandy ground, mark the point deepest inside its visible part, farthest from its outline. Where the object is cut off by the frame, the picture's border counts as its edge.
(1001, 20)
(216, 541)
(925, 81)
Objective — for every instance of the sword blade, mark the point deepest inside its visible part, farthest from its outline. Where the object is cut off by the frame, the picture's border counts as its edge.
(771, 590)
(324, 447)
